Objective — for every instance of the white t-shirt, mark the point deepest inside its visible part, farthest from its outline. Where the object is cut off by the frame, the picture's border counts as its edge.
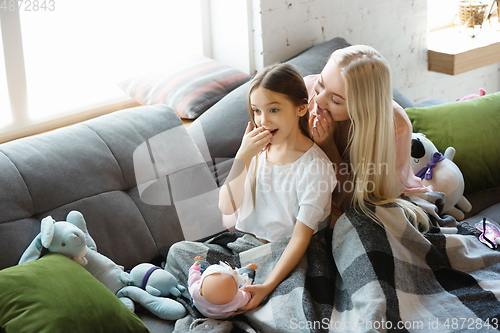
(299, 191)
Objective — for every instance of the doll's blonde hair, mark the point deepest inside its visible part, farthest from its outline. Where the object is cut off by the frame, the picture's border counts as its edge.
(372, 142)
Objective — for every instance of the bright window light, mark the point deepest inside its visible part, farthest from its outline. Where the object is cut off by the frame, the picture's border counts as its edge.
(440, 13)
(77, 52)
(5, 111)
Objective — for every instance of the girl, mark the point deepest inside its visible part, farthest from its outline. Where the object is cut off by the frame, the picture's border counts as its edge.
(281, 181)
(365, 134)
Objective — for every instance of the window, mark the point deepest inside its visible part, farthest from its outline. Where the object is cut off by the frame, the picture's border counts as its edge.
(74, 52)
(440, 13)
(5, 112)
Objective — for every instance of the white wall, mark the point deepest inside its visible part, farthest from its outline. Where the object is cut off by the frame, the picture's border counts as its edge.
(396, 28)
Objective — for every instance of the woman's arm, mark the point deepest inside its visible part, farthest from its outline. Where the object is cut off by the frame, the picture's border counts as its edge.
(289, 259)
(231, 193)
(322, 129)
(403, 129)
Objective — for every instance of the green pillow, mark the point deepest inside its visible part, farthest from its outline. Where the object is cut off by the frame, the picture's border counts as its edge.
(55, 294)
(472, 127)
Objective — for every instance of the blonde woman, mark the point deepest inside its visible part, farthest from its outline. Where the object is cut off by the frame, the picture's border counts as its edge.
(364, 132)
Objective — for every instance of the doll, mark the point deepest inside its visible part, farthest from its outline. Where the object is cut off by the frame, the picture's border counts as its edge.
(215, 289)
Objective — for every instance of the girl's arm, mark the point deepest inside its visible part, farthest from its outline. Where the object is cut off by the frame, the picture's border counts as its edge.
(231, 193)
(289, 259)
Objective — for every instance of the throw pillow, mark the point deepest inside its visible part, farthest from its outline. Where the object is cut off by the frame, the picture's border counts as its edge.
(473, 128)
(189, 88)
(55, 294)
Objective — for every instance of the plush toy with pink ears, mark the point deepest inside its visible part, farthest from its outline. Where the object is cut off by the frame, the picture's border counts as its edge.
(471, 96)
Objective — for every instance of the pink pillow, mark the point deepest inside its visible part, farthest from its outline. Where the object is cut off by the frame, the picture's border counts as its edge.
(189, 89)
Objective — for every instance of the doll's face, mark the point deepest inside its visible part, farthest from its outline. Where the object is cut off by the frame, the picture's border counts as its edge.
(218, 288)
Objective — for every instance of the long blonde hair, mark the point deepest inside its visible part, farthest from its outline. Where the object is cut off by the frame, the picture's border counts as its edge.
(372, 142)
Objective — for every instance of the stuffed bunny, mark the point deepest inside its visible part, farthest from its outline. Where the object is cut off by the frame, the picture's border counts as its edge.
(72, 239)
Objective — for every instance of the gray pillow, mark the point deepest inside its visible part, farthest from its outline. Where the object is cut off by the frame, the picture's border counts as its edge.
(401, 99)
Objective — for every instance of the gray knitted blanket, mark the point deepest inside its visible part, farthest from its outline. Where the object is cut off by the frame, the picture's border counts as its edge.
(305, 295)
(368, 278)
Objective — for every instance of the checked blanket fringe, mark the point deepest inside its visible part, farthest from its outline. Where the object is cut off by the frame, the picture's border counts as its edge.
(365, 277)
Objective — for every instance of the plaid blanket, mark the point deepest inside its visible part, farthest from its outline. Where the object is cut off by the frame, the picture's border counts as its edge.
(395, 279)
(389, 278)
(305, 295)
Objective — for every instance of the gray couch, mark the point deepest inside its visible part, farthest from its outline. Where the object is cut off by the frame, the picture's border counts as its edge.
(90, 167)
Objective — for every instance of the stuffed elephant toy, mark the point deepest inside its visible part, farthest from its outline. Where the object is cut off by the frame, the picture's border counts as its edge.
(72, 239)
(151, 285)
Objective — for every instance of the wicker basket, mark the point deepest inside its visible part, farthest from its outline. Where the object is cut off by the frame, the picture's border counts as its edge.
(472, 13)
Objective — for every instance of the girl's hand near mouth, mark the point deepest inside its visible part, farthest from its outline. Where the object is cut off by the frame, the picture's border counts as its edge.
(254, 141)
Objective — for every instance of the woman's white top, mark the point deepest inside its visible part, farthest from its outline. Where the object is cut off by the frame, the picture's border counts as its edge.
(299, 191)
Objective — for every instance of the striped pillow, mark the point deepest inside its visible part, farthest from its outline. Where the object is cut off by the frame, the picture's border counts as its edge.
(189, 89)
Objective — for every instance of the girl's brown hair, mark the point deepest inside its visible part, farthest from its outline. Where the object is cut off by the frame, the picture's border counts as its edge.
(283, 79)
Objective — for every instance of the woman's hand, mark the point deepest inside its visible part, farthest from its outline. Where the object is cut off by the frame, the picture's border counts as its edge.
(322, 128)
(253, 142)
(258, 292)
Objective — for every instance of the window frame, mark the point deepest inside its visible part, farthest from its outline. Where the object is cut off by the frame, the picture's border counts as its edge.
(22, 125)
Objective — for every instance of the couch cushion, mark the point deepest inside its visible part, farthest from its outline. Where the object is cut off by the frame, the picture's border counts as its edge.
(63, 166)
(117, 226)
(55, 294)
(472, 128)
(123, 132)
(88, 167)
(15, 201)
(15, 236)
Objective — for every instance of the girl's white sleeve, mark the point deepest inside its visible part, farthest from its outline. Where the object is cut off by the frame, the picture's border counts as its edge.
(314, 192)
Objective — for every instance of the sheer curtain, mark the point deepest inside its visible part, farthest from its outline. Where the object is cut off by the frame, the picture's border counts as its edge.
(76, 51)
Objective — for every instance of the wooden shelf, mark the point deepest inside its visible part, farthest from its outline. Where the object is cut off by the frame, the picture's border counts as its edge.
(452, 52)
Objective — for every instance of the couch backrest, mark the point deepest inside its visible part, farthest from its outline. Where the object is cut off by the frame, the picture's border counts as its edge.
(87, 167)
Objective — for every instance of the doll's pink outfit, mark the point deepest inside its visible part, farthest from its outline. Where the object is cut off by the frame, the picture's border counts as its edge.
(211, 310)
